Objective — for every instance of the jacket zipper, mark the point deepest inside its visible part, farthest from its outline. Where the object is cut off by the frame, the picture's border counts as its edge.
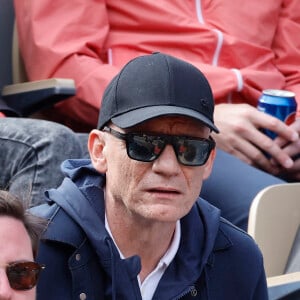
(216, 56)
(219, 34)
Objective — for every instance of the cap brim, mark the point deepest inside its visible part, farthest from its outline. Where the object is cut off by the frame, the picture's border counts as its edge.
(143, 114)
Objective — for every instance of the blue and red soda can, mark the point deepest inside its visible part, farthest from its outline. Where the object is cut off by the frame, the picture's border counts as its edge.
(280, 104)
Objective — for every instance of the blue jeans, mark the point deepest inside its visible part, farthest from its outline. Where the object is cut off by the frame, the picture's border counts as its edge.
(31, 154)
(32, 151)
(232, 185)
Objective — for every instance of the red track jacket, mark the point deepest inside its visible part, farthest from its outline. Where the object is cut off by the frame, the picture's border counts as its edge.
(241, 46)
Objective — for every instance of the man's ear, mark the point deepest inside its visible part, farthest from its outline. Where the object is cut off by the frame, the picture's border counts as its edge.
(209, 164)
(96, 144)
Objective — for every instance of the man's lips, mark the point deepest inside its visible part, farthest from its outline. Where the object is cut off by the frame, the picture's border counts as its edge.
(164, 190)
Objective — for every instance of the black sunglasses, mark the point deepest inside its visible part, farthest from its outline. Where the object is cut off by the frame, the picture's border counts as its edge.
(23, 275)
(190, 151)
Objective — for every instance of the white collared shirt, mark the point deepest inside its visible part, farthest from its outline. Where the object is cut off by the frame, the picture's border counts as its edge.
(150, 283)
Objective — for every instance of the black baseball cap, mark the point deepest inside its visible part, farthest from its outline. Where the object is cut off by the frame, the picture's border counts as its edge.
(156, 85)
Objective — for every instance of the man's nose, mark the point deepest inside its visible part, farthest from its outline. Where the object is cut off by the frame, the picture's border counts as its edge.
(5, 288)
(167, 161)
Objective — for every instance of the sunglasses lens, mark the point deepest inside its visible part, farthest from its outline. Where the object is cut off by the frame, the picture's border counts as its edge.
(144, 148)
(23, 275)
(190, 152)
(193, 152)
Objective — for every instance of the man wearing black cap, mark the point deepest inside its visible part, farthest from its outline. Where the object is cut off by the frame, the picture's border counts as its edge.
(128, 224)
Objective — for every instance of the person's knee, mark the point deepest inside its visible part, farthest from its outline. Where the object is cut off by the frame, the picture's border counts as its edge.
(42, 136)
(60, 139)
(57, 132)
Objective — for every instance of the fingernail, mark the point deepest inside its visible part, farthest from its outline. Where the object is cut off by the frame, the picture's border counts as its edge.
(288, 163)
(295, 136)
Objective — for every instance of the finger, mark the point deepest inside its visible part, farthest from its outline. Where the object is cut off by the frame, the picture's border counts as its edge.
(282, 141)
(251, 154)
(267, 145)
(258, 158)
(292, 174)
(266, 121)
(292, 149)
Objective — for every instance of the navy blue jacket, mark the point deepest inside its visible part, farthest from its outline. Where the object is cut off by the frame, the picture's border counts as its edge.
(215, 259)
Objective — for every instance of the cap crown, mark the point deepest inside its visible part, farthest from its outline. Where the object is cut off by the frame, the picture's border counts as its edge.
(160, 83)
